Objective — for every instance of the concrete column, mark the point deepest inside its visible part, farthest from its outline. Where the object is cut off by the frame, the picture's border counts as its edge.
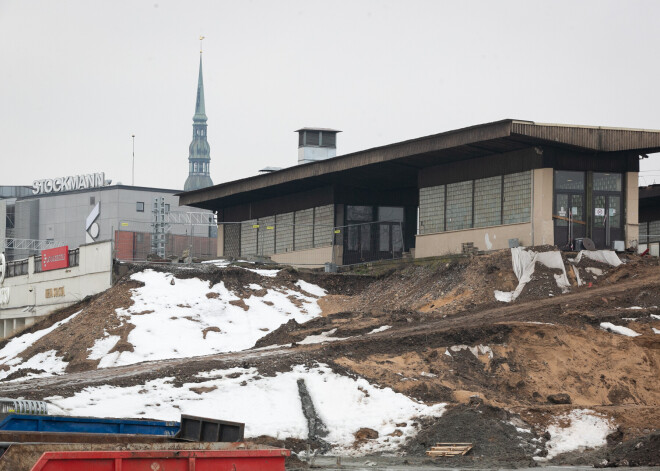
(542, 224)
(632, 209)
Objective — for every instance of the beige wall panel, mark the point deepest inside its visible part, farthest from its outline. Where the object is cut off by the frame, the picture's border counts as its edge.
(486, 238)
(543, 230)
(310, 258)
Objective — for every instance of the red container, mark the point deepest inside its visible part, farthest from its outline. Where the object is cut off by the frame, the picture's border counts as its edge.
(164, 460)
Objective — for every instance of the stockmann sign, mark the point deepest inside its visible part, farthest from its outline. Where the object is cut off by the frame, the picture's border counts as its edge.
(71, 183)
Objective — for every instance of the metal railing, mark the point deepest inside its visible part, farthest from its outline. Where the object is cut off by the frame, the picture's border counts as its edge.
(17, 268)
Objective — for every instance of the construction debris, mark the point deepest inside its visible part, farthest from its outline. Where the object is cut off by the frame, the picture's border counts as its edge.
(449, 449)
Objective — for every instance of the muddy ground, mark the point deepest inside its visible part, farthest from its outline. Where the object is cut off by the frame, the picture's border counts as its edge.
(449, 340)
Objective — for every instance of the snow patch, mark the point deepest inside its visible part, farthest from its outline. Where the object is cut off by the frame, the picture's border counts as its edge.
(618, 329)
(267, 405)
(18, 344)
(586, 429)
(380, 329)
(322, 337)
(102, 346)
(311, 289)
(476, 351)
(655, 331)
(179, 320)
(263, 272)
(47, 361)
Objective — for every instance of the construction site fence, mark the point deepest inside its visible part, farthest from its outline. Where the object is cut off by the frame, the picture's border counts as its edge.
(313, 245)
(139, 241)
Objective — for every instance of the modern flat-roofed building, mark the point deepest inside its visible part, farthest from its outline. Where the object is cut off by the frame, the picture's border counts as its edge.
(486, 186)
(649, 219)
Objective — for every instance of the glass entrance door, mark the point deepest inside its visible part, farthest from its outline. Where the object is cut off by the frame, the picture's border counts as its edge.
(569, 208)
(607, 197)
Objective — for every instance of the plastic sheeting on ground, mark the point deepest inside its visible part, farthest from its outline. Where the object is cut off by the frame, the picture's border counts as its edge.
(524, 263)
(608, 257)
(604, 256)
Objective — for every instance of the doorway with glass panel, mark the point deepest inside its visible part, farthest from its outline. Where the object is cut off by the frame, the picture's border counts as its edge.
(587, 204)
(607, 222)
(569, 207)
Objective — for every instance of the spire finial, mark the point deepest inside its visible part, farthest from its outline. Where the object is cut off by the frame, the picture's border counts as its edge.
(201, 38)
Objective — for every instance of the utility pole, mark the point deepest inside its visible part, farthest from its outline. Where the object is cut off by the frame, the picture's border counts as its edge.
(133, 171)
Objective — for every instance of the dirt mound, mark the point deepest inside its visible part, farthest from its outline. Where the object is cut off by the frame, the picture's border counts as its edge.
(498, 437)
(640, 451)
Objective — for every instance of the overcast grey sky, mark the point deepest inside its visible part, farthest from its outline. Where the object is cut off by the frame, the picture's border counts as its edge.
(79, 77)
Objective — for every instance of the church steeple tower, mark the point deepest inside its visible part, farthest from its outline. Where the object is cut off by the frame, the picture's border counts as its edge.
(199, 156)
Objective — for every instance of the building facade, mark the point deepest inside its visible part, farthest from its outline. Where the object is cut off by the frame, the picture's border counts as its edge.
(141, 221)
(649, 219)
(486, 187)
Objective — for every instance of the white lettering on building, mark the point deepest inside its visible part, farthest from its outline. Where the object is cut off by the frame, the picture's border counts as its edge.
(71, 183)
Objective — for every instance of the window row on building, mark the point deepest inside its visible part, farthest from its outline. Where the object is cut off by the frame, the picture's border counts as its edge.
(649, 232)
(281, 233)
(504, 199)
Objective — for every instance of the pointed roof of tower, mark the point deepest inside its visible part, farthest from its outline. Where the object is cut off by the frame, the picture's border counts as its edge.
(200, 109)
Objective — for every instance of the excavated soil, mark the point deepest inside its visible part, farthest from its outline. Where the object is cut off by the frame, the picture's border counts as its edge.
(448, 341)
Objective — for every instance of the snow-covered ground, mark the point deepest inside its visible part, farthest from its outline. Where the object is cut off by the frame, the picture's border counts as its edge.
(586, 429)
(180, 318)
(267, 405)
(190, 318)
(48, 361)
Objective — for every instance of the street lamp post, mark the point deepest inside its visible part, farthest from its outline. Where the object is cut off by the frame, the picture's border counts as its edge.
(133, 171)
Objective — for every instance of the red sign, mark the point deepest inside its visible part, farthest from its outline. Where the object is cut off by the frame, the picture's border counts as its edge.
(52, 259)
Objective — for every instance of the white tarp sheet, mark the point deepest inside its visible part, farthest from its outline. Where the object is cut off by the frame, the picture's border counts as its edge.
(524, 262)
(604, 256)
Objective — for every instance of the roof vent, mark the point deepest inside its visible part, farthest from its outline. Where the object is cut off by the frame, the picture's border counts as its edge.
(316, 144)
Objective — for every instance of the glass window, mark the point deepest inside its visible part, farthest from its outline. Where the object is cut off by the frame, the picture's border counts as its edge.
(365, 237)
(397, 238)
(488, 202)
(304, 229)
(352, 238)
(565, 180)
(139, 207)
(359, 213)
(432, 209)
(459, 205)
(607, 181)
(384, 237)
(599, 211)
(614, 210)
(517, 198)
(391, 214)
(561, 208)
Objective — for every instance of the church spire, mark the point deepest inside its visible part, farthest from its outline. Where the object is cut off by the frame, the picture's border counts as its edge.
(199, 151)
(200, 108)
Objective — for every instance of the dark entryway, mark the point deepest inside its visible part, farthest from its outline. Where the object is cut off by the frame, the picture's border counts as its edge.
(373, 233)
(587, 204)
